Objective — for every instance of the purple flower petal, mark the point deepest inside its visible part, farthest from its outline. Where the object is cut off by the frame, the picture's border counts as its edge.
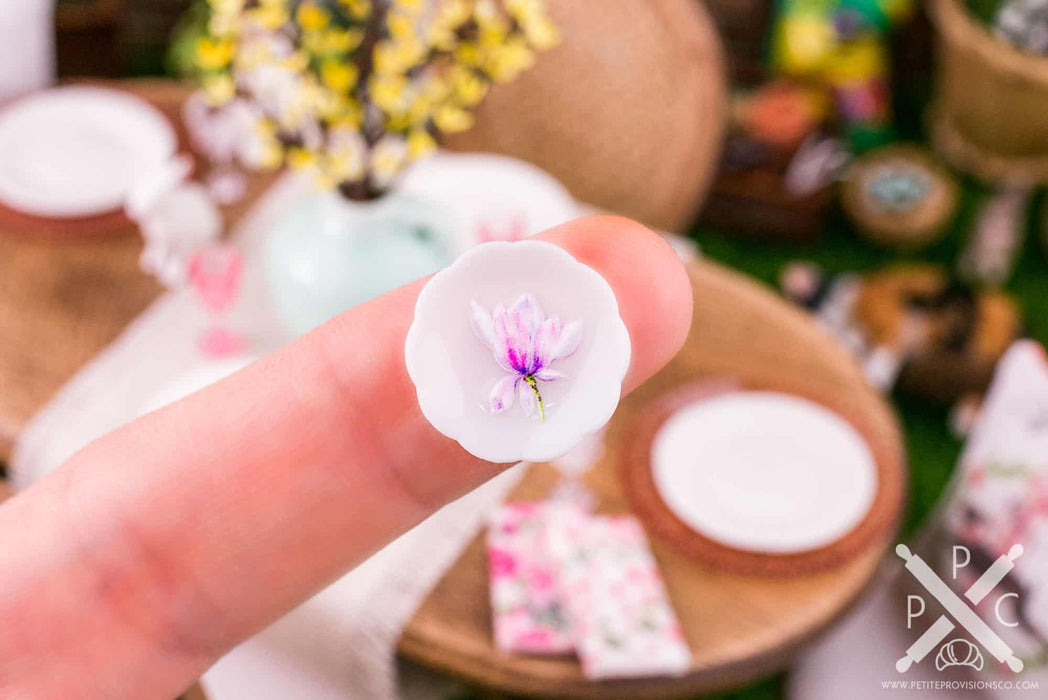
(530, 312)
(549, 375)
(546, 342)
(528, 403)
(480, 322)
(569, 341)
(501, 396)
(506, 349)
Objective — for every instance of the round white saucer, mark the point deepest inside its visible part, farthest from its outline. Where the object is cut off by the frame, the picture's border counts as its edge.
(764, 472)
(77, 151)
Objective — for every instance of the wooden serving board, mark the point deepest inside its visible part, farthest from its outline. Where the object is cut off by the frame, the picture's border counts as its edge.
(738, 626)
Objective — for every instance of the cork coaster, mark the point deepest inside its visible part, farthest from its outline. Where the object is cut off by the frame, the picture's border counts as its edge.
(640, 484)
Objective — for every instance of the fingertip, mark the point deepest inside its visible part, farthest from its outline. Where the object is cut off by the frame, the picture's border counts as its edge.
(650, 282)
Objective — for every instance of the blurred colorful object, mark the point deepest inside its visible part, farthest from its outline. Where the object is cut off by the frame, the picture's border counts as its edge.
(780, 113)
(841, 45)
(215, 274)
(948, 336)
(357, 89)
(900, 196)
(993, 248)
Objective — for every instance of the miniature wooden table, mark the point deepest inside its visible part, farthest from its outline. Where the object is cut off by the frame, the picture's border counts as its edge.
(64, 298)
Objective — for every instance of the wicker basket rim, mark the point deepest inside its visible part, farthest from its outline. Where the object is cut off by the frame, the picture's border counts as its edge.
(959, 27)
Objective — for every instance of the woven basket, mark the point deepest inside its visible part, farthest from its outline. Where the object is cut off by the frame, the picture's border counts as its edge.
(628, 112)
(990, 116)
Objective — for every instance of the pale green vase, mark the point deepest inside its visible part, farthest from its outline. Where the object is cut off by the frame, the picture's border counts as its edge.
(329, 254)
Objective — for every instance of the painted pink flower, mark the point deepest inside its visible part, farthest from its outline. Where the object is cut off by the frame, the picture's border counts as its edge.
(525, 342)
(501, 563)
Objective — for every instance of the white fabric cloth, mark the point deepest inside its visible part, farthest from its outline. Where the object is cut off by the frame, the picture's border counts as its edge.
(341, 643)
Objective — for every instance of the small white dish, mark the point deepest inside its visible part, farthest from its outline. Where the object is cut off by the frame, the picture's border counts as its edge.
(78, 151)
(526, 296)
(764, 472)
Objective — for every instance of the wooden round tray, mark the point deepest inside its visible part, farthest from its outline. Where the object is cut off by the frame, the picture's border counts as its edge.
(739, 626)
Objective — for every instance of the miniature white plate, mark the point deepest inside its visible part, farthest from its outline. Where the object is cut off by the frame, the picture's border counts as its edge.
(764, 472)
(455, 371)
(77, 151)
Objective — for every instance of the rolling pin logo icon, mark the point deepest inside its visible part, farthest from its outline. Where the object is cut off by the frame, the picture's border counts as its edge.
(960, 611)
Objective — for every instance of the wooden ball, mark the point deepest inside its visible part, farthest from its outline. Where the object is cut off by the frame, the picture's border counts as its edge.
(628, 111)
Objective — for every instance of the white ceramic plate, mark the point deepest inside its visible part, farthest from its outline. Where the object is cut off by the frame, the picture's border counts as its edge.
(764, 472)
(77, 151)
(455, 373)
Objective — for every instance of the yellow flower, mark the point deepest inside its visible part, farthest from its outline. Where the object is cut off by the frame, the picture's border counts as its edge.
(225, 15)
(401, 26)
(213, 54)
(346, 155)
(311, 17)
(270, 14)
(351, 118)
(508, 61)
(441, 37)
(450, 119)
(300, 158)
(469, 87)
(389, 92)
(541, 33)
(333, 40)
(453, 13)
(269, 154)
(420, 143)
(399, 56)
(388, 158)
(467, 53)
(338, 75)
(219, 88)
(420, 109)
(357, 9)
